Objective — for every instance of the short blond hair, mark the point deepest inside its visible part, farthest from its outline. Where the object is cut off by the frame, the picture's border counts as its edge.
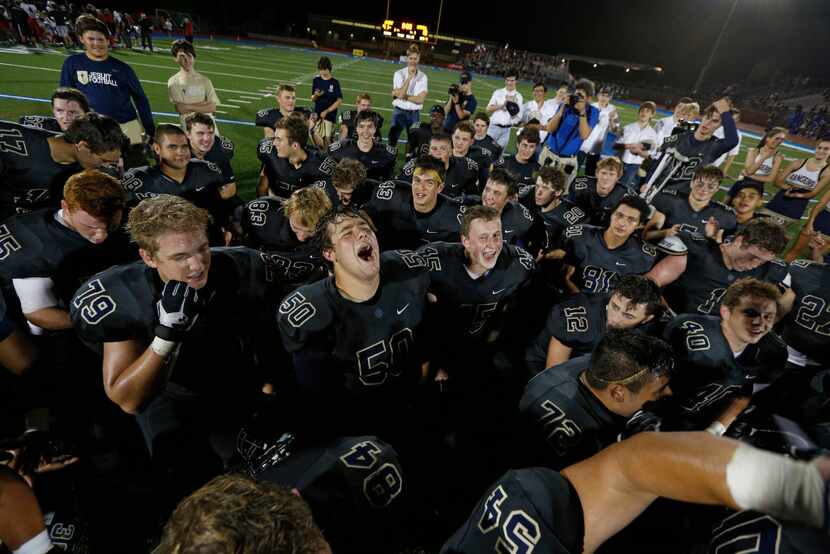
(310, 204)
(163, 214)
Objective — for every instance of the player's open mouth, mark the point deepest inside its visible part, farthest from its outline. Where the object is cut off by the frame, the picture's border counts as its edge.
(365, 252)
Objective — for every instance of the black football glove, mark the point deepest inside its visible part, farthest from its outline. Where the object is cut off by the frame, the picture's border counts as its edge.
(178, 309)
(639, 422)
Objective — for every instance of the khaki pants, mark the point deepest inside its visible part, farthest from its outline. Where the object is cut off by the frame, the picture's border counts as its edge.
(569, 165)
(133, 130)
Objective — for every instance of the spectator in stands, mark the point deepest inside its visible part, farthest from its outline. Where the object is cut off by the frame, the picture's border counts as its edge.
(505, 109)
(327, 97)
(363, 102)
(409, 89)
(110, 85)
(461, 106)
(190, 91)
(145, 23)
(568, 128)
(638, 141)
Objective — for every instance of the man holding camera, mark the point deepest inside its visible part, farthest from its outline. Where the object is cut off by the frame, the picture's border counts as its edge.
(568, 128)
(461, 103)
(505, 109)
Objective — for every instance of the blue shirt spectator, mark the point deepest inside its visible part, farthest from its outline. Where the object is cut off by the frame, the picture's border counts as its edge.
(330, 89)
(565, 141)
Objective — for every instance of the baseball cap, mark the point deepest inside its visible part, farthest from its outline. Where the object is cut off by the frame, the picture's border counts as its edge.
(437, 108)
(465, 78)
(745, 184)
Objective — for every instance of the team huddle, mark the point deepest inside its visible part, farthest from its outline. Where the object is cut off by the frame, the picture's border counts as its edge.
(477, 350)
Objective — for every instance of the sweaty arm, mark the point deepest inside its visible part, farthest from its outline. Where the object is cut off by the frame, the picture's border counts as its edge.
(40, 303)
(668, 270)
(263, 184)
(133, 373)
(21, 520)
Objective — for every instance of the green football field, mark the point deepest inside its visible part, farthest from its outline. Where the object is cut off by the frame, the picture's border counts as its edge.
(245, 76)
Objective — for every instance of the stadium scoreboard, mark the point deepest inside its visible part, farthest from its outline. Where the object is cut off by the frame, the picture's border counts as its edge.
(405, 30)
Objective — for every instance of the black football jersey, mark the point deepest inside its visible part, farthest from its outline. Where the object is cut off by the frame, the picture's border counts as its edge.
(707, 370)
(584, 194)
(462, 176)
(45, 122)
(355, 487)
(806, 328)
(31, 179)
(525, 172)
(418, 141)
(347, 118)
(490, 145)
(701, 287)
(267, 117)
(675, 206)
(35, 244)
(120, 304)
(221, 154)
(519, 226)
(472, 309)
(379, 161)
(597, 267)
(577, 322)
(284, 178)
(201, 184)
(558, 219)
(484, 158)
(400, 226)
(698, 153)
(566, 421)
(526, 510)
(757, 532)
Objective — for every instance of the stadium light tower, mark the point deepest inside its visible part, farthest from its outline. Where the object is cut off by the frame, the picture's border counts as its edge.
(715, 47)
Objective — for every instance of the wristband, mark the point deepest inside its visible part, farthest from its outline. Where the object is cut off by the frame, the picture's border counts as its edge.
(716, 428)
(162, 347)
(39, 544)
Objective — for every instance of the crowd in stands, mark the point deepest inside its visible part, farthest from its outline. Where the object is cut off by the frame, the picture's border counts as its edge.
(493, 346)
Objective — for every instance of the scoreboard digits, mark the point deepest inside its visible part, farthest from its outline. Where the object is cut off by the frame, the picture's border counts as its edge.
(405, 30)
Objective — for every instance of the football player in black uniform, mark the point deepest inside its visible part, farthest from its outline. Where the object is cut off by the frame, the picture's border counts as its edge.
(462, 140)
(349, 185)
(575, 325)
(461, 173)
(575, 410)
(696, 278)
(699, 147)
(806, 329)
(407, 216)
(580, 508)
(356, 336)
(42, 249)
(481, 121)
(68, 104)
(691, 212)
(287, 164)
(474, 284)
(721, 357)
(170, 328)
(201, 133)
(180, 174)
(518, 224)
(418, 137)
(17, 354)
(363, 103)
(35, 164)
(378, 159)
(595, 257)
(523, 163)
(282, 228)
(267, 118)
(556, 212)
(598, 196)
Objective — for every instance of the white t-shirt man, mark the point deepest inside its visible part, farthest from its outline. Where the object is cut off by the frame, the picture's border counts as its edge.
(190, 87)
(544, 113)
(502, 116)
(632, 134)
(597, 137)
(417, 85)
